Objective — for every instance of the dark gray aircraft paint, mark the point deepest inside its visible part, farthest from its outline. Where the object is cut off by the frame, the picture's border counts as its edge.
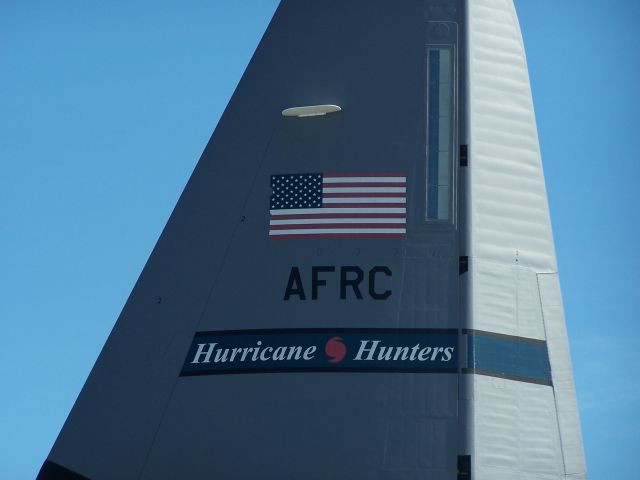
(147, 411)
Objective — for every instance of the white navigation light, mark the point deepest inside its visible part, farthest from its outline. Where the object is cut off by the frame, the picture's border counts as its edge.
(310, 111)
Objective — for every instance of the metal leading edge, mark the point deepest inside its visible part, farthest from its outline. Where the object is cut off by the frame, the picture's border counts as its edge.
(358, 280)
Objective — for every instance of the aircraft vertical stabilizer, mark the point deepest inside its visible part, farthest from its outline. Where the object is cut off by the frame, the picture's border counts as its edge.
(359, 279)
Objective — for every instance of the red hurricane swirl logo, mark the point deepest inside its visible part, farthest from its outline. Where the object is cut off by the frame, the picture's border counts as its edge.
(335, 349)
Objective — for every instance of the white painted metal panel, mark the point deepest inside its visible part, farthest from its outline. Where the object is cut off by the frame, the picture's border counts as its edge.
(508, 197)
(516, 430)
(561, 370)
(506, 300)
(520, 430)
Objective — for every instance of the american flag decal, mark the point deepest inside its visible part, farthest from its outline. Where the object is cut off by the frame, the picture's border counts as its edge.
(338, 205)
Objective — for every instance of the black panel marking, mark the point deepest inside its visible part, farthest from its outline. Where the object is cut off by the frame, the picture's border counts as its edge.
(464, 265)
(464, 156)
(464, 467)
(52, 471)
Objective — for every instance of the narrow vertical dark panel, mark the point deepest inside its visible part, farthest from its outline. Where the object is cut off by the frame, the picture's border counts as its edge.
(433, 108)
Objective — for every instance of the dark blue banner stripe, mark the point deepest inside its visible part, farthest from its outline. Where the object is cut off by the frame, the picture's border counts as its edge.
(367, 350)
(516, 358)
(322, 350)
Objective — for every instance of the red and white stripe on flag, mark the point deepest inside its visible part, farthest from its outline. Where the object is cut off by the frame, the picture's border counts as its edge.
(354, 205)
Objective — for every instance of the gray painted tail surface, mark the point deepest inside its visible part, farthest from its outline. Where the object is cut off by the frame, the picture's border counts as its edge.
(215, 268)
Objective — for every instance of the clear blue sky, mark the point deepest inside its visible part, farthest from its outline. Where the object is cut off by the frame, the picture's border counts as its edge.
(105, 108)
